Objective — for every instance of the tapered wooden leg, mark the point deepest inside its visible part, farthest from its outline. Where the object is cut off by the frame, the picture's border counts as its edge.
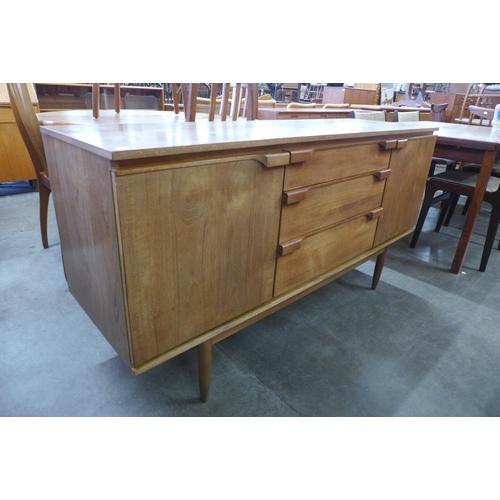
(44, 208)
(204, 368)
(378, 268)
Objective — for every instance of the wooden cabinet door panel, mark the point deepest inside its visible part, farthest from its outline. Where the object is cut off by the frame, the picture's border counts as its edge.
(326, 204)
(405, 187)
(199, 248)
(325, 165)
(322, 251)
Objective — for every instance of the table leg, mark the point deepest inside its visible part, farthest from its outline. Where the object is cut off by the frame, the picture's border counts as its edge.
(204, 368)
(470, 221)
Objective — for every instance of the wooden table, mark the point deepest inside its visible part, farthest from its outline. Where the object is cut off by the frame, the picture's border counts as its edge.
(468, 143)
(177, 236)
(301, 113)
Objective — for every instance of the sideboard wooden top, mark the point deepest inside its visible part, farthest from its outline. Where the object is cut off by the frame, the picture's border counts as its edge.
(148, 140)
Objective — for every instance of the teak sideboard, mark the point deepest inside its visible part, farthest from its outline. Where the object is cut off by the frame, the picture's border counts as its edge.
(179, 235)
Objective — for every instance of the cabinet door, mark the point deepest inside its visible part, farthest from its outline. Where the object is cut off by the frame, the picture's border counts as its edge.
(198, 246)
(405, 187)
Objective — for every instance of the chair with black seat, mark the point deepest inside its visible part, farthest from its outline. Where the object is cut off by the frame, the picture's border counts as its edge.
(29, 127)
(460, 182)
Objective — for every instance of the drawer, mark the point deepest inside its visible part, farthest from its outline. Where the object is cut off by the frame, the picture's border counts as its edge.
(309, 209)
(317, 253)
(317, 166)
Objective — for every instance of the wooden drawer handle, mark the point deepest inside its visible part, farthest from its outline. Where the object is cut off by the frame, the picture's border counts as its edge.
(388, 144)
(300, 156)
(393, 144)
(375, 213)
(274, 159)
(288, 248)
(382, 174)
(290, 197)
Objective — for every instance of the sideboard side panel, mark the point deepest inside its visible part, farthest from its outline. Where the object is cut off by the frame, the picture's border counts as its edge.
(84, 205)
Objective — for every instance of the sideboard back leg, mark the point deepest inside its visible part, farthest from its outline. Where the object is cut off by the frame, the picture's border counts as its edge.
(378, 268)
(204, 368)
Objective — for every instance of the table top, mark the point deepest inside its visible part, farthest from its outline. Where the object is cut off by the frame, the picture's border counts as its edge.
(122, 141)
(471, 136)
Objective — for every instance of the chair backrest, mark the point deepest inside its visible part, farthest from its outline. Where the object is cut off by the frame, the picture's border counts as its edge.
(438, 111)
(131, 101)
(28, 124)
(301, 105)
(406, 116)
(477, 115)
(243, 94)
(380, 116)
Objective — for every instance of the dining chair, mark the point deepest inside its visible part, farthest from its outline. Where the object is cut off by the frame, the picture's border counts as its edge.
(240, 96)
(479, 115)
(28, 125)
(438, 111)
(380, 116)
(461, 182)
(406, 116)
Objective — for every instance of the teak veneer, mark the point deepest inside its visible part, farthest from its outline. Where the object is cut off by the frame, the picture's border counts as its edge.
(178, 235)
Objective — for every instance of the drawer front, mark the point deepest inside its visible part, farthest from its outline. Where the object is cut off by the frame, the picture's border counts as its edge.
(334, 164)
(322, 251)
(309, 209)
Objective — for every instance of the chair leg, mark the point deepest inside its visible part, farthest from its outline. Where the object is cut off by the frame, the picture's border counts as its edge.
(490, 236)
(44, 210)
(466, 206)
(424, 209)
(451, 209)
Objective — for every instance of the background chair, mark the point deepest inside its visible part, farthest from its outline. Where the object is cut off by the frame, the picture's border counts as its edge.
(28, 125)
(460, 182)
(380, 116)
(479, 116)
(438, 112)
(244, 100)
(406, 116)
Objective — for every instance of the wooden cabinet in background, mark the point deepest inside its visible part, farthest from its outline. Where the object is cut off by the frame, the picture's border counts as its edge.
(343, 95)
(56, 96)
(15, 161)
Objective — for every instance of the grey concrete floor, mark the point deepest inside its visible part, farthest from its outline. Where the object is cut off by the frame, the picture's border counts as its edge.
(425, 343)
